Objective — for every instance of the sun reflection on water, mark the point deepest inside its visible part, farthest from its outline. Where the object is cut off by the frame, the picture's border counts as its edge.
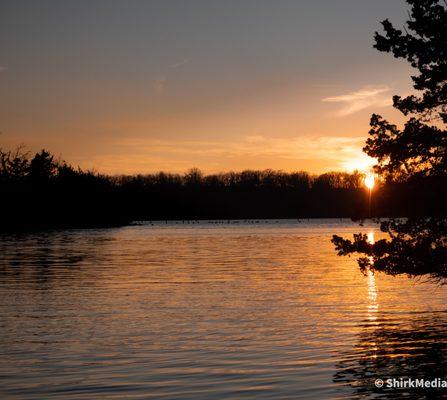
(370, 237)
(373, 305)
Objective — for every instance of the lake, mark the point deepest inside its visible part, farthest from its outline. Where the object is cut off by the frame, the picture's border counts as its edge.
(210, 310)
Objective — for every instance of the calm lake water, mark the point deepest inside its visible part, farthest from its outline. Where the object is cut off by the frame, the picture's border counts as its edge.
(209, 311)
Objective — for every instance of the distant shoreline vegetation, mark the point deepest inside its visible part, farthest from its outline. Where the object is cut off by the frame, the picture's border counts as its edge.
(38, 192)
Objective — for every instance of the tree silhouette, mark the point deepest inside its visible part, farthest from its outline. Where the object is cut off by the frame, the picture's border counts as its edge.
(42, 166)
(423, 45)
(415, 154)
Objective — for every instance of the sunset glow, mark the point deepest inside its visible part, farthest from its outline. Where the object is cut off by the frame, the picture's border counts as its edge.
(212, 199)
(205, 85)
(360, 163)
(369, 181)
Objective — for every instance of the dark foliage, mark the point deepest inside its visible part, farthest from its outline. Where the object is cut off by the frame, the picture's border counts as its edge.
(415, 155)
(418, 150)
(424, 45)
(417, 247)
(42, 192)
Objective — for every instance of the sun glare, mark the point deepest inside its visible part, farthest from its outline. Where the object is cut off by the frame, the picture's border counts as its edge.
(369, 181)
(360, 163)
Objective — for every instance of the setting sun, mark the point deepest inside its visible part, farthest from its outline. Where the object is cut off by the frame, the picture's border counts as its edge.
(369, 181)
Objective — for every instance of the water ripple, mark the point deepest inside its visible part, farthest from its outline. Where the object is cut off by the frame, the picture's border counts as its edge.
(213, 310)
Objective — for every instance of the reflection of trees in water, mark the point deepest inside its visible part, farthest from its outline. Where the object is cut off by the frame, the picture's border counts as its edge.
(416, 247)
(415, 349)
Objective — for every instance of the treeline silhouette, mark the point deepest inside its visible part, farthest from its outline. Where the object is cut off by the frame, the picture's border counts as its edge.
(39, 191)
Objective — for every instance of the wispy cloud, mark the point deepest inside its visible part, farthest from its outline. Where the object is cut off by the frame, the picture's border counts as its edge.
(180, 63)
(369, 96)
(160, 84)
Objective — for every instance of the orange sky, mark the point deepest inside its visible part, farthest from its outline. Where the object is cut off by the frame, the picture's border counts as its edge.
(168, 86)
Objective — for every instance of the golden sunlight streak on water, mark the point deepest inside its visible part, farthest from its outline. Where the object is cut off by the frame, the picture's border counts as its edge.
(373, 305)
